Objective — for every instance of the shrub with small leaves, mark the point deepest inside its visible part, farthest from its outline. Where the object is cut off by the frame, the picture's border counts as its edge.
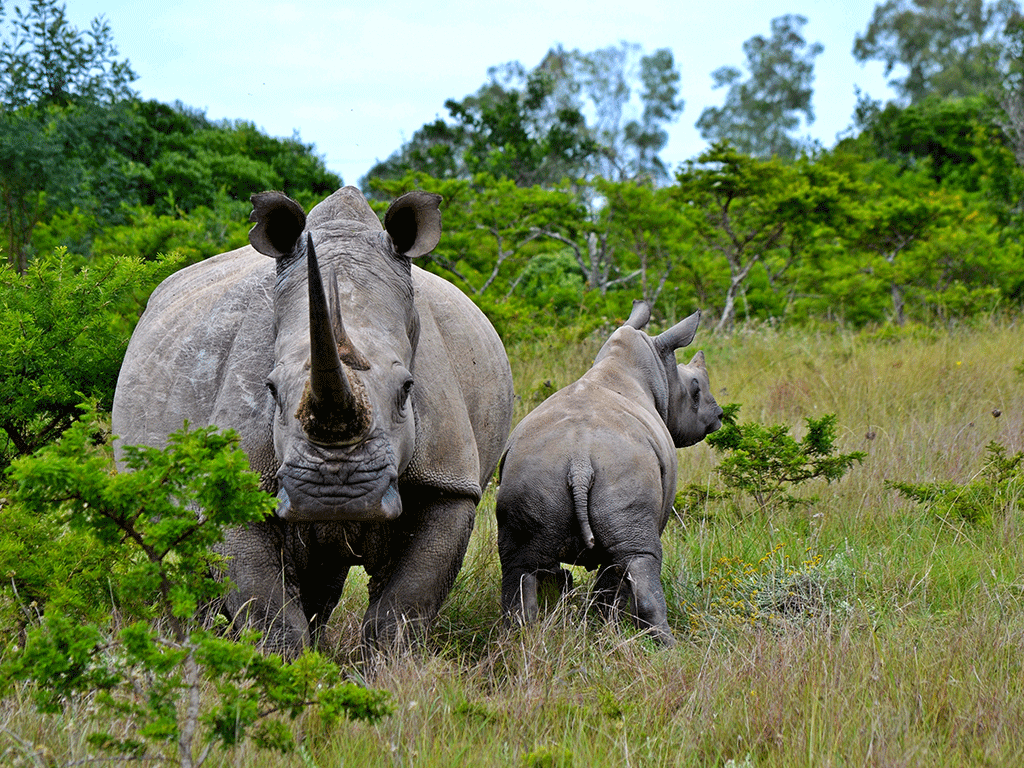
(181, 689)
(998, 488)
(764, 462)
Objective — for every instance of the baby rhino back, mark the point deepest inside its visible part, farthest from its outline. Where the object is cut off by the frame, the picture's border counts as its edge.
(589, 476)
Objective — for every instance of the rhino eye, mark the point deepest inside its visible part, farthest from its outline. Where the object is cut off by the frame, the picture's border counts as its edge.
(695, 390)
(403, 394)
(272, 387)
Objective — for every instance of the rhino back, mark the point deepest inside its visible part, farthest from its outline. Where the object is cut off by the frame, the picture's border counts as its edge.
(204, 345)
(628, 446)
(463, 392)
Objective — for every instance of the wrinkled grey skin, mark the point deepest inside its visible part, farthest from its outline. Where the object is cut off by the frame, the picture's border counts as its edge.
(589, 476)
(372, 397)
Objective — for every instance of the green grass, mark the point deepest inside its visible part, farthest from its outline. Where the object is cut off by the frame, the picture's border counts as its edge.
(861, 630)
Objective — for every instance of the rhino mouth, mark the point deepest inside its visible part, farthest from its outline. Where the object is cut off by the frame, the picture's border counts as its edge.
(317, 483)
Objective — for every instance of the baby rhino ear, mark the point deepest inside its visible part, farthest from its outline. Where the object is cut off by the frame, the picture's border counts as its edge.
(679, 335)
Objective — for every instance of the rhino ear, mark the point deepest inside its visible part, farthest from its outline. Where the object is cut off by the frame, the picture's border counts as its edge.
(640, 315)
(679, 335)
(279, 222)
(414, 223)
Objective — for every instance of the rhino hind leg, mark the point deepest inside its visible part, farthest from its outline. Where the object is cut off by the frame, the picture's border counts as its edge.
(635, 588)
(519, 588)
(649, 609)
(412, 564)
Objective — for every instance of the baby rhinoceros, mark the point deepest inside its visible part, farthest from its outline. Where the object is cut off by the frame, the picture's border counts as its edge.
(589, 476)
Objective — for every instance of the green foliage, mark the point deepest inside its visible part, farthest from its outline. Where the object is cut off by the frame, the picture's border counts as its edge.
(56, 82)
(949, 48)
(551, 280)
(156, 671)
(77, 148)
(63, 331)
(45, 61)
(548, 756)
(763, 462)
(997, 490)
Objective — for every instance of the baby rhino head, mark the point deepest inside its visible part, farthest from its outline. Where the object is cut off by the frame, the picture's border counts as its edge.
(696, 415)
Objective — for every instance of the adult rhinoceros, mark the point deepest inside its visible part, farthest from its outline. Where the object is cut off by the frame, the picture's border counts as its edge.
(372, 397)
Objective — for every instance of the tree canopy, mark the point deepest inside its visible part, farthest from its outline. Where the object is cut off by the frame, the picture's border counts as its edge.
(948, 48)
(575, 115)
(761, 112)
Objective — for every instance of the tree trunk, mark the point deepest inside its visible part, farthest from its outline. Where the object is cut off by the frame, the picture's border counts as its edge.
(897, 305)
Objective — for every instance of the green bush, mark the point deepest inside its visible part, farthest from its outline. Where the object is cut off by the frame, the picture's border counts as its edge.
(764, 462)
(996, 490)
(176, 688)
(63, 331)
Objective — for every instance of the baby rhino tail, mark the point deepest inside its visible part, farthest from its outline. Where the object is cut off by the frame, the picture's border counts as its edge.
(581, 477)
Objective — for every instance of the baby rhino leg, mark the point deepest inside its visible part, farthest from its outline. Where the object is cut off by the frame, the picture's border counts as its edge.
(519, 595)
(649, 609)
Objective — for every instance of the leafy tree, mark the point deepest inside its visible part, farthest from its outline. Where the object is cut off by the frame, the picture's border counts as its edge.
(739, 209)
(899, 220)
(761, 112)
(52, 76)
(942, 137)
(632, 96)
(45, 61)
(63, 332)
(648, 230)
(492, 227)
(950, 48)
(510, 128)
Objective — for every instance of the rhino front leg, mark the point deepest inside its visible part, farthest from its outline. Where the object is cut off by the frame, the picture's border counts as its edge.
(266, 592)
(413, 564)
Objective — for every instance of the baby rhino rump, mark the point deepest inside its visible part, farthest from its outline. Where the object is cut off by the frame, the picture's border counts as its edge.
(589, 476)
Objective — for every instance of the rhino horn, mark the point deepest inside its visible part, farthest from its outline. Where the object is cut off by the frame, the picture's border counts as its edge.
(334, 409)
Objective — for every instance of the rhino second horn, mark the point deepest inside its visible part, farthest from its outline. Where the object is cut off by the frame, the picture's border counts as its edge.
(334, 408)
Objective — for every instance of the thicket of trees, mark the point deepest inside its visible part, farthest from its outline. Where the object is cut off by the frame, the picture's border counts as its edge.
(915, 215)
(557, 208)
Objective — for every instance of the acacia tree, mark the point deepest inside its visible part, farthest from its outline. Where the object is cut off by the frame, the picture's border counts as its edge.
(759, 213)
(901, 216)
(649, 232)
(761, 112)
(492, 227)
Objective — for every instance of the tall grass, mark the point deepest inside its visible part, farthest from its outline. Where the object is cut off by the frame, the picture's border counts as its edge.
(859, 630)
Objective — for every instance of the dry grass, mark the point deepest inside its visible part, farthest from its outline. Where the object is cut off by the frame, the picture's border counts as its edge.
(859, 631)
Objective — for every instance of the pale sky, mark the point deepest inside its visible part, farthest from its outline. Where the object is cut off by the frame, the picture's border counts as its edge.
(358, 79)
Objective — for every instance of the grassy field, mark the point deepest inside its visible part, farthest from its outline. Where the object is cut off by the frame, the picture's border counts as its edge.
(860, 629)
